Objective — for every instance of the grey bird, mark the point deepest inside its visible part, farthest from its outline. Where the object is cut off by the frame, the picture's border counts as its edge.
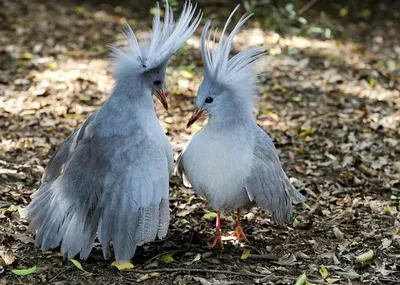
(110, 177)
(231, 161)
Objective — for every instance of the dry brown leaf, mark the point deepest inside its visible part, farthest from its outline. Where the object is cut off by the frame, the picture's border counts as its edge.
(301, 169)
(6, 257)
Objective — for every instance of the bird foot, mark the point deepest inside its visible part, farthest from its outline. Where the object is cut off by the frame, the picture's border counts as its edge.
(239, 234)
(215, 239)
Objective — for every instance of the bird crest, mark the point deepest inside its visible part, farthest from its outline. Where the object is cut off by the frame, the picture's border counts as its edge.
(237, 71)
(167, 36)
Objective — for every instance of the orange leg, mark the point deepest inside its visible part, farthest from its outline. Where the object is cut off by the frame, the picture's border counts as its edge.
(217, 238)
(238, 233)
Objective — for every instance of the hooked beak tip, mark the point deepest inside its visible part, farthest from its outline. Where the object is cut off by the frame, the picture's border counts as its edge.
(160, 94)
(196, 115)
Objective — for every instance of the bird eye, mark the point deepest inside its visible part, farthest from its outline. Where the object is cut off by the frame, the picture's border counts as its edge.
(209, 100)
(157, 82)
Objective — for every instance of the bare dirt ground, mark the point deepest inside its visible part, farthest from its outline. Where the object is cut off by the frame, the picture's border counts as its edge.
(331, 103)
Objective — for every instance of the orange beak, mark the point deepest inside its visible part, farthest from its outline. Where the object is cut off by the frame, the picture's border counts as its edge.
(196, 114)
(160, 94)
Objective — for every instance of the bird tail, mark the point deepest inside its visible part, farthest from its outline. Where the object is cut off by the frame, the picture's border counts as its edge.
(127, 224)
(119, 216)
(62, 219)
(294, 194)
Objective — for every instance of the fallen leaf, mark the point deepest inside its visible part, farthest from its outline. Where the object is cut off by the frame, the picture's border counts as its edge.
(387, 210)
(296, 222)
(85, 98)
(6, 257)
(189, 201)
(250, 217)
(396, 166)
(297, 98)
(80, 10)
(166, 258)
(12, 209)
(386, 242)
(366, 256)
(77, 264)
(288, 259)
(123, 266)
(338, 234)
(393, 197)
(202, 281)
(25, 55)
(187, 210)
(323, 271)
(26, 271)
(197, 257)
(245, 254)
(280, 88)
(330, 156)
(187, 73)
(380, 267)
(301, 279)
(148, 276)
(305, 133)
(374, 205)
(350, 275)
(210, 215)
(301, 169)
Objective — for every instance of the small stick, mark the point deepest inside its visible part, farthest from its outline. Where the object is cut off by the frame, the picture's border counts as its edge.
(158, 255)
(263, 257)
(205, 270)
(306, 7)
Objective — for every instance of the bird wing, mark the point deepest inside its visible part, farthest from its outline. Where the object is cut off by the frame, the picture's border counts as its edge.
(268, 184)
(80, 136)
(137, 208)
(180, 170)
(109, 185)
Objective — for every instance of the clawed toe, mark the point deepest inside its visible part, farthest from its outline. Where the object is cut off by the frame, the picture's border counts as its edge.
(240, 235)
(215, 240)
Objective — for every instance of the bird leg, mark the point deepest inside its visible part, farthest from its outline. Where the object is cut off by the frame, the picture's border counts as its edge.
(238, 233)
(217, 238)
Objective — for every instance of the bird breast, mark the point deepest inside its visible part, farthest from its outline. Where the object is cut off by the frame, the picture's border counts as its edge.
(217, 164)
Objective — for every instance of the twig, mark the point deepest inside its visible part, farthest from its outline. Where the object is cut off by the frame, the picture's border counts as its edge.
(263, 257)
(158, 255)
(306, 7)
(205, 270)
(315, 206)
(58, 274)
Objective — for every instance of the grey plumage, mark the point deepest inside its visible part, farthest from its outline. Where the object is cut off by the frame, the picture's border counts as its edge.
(268, 184)
(231, 161)
(110, 177)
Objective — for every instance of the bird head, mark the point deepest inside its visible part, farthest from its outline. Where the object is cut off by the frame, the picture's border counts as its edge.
(146, 62)
(229, 84)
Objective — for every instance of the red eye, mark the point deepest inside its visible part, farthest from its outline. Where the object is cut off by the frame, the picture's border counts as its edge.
(209, 100)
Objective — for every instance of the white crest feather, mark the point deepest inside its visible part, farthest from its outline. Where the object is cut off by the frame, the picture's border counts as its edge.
(236, 70)
(166, 38)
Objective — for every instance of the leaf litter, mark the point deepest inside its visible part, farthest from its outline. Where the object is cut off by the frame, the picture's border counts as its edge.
(331, 106)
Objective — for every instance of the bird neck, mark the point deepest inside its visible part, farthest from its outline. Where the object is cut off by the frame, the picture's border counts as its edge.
(129, 107)
(231, 115)
(132, 97)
